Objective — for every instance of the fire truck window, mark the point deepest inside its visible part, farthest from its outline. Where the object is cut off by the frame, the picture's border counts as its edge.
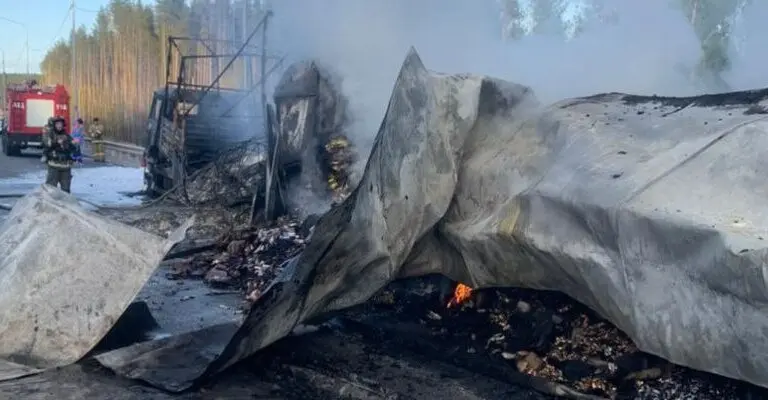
(38, 112)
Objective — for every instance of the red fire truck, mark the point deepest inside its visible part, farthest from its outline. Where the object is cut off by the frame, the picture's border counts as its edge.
(27, 109)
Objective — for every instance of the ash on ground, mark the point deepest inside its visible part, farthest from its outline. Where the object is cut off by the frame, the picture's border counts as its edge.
(549, 335)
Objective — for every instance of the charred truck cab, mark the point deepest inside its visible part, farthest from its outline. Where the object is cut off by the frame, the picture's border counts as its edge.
(27, 109)
(188, 128)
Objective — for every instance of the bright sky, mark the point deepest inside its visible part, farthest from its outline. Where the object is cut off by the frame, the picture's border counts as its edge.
(46, 22)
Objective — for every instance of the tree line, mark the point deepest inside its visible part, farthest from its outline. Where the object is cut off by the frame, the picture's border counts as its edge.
(121, 60)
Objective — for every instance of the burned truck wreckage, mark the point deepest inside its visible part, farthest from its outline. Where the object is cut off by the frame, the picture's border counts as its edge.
(203, 160)
(647, 212)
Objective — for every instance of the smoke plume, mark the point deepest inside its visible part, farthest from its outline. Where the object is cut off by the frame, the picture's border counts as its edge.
(648, 48)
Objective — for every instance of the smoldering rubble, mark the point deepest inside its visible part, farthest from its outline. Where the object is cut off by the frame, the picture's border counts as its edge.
(248, 259)
(469, 179)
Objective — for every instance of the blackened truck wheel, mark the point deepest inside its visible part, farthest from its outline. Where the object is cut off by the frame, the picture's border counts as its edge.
(6, 148)
(9, 149)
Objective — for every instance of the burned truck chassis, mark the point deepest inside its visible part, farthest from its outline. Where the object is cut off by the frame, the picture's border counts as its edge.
(183, 132)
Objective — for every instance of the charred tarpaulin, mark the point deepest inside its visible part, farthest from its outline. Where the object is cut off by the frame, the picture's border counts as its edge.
(527, 338)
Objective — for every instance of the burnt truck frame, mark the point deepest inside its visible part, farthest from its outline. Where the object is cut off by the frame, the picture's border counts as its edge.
(190, 123)
(187, 130)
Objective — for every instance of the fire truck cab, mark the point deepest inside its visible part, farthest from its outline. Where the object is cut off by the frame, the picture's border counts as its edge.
(27, 109)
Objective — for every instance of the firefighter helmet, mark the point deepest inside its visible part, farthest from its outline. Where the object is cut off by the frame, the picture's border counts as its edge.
(56, 120)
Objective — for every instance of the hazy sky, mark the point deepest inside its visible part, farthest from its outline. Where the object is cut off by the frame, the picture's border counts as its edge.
(45, 20)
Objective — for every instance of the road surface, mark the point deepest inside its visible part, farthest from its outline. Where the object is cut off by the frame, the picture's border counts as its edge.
(15, 166)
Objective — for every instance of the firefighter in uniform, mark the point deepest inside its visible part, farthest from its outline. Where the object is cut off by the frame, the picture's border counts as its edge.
(47, 138)
(96, 132)
(60, 155)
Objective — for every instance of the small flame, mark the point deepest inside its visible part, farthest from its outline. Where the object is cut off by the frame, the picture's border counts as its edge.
(460, 295)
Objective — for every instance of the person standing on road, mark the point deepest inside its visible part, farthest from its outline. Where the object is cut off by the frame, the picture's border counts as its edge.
(78, 137)
(96, 132)
(61, 154)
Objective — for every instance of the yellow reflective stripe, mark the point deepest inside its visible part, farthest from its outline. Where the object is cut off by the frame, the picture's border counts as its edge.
(59, 165)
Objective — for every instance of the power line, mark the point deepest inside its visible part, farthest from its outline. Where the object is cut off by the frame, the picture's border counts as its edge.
(87, 10)
(25, 49)
(63, 22)
(18, 60)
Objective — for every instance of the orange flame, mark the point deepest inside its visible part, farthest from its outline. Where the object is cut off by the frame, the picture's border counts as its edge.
(460, 295)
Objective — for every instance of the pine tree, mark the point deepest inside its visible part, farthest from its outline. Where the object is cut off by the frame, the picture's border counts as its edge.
(121, 59)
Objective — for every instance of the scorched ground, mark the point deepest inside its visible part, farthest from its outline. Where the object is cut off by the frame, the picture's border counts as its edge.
(488, 344)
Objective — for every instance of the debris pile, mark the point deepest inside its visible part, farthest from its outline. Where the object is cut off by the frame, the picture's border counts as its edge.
(548, 335)
(247, 259)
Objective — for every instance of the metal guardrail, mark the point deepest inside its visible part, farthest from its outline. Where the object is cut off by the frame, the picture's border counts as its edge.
(118, 153)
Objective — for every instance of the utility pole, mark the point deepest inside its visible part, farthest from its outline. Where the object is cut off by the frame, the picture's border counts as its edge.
(73, 67)
(246, 58)
(5, 83)
(27, 44)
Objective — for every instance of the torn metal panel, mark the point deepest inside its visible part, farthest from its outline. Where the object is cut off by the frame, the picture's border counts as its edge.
(66, 276)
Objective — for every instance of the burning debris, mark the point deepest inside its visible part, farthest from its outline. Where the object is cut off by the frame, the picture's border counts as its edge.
(547, 335)
(440, 222)
(460, 295)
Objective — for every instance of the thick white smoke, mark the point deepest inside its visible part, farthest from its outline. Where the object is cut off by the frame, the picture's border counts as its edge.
(749, 54)
(648, 48)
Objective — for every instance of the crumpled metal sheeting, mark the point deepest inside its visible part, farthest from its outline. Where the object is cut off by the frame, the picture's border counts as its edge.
(633, 206)
(649, 210)
(66, 275)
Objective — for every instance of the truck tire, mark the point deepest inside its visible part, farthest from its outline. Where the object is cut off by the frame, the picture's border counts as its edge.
(6, 146)
(8, 149)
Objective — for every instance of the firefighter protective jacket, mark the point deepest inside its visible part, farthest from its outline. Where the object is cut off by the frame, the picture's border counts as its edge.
(62, 152)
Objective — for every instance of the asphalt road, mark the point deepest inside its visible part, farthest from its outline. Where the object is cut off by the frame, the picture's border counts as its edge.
(29, 161)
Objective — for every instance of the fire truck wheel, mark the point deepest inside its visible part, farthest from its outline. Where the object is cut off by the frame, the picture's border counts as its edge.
(8, 149)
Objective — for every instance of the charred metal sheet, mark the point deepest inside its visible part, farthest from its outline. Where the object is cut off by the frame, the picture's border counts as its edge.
(66, 276)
